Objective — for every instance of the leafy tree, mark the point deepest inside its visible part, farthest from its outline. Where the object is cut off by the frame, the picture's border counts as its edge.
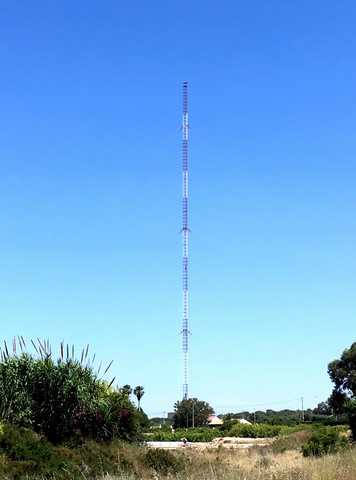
(143, 419)
(336, 402)
(323, 408)
(191, 412)
(139, 393)
(343, 374)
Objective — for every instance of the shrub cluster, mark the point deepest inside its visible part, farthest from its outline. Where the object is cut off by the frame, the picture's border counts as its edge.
(25, 454)
(325, 440)
(163, 462)
(63, 399)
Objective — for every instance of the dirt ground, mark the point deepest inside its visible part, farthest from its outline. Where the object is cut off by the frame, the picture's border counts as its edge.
(229, 442)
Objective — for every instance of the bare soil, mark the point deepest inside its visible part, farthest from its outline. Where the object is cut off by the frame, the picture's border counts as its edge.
(229, 442)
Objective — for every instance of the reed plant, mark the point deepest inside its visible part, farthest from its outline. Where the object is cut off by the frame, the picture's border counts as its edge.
(62, 398)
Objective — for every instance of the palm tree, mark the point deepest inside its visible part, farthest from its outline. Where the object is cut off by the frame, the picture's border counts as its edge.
(126, 389)
(139, 392)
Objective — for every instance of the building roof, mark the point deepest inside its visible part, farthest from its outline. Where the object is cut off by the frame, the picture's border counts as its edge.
(214, 421)
(245, 422)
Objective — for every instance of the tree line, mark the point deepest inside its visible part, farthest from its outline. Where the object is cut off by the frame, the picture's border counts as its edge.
(339, 408)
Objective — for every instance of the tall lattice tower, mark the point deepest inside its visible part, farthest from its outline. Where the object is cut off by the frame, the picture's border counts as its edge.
(185, 232)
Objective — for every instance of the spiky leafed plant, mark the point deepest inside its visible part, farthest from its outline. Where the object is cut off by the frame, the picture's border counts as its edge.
(16, 377)
(62, 398)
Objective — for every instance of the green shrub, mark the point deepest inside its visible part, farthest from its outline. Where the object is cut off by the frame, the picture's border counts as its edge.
(292, 441)
(324, 441)
(163, 462)
(26, 455)
(29, 453)
(96, 459)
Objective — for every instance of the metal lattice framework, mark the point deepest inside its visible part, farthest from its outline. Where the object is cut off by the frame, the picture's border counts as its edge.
(185, 232)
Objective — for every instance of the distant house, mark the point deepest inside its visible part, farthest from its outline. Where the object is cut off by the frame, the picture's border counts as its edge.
(242, 420)
(214, 421)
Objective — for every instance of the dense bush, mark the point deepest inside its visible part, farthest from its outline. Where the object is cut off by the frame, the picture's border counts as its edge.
(63, 399)
(294, 440)
(29, 453)
(94, 460)
(163, 462)
(25, 454)
(325, 440)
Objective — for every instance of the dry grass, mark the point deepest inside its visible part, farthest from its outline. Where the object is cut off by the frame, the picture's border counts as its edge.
(257, 464)
(290, 465)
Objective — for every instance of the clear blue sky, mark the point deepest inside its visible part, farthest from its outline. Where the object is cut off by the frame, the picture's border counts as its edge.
(90, 195)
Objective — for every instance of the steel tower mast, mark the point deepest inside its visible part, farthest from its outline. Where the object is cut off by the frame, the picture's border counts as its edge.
(185, 232)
